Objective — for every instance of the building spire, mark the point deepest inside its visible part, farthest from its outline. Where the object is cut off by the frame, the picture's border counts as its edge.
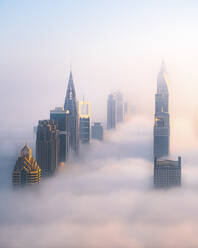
(71, 106)
(162, 83)
(70, 98)
(70, 76)
(161, 124)
(70, 65)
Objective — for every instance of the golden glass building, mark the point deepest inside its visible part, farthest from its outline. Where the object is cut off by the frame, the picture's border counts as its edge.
(26, 170)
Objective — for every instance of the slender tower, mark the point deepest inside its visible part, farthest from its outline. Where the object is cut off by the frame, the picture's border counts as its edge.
(47, 147)
(120, 107)
(161, 125)
(111, 111)
(71, 106)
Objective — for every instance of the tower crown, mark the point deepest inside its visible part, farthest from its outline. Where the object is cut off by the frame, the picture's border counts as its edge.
(70, 107)
(70, 99)
(26, 152)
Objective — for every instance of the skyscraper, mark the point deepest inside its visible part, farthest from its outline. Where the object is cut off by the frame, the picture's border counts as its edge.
(120, 107)
(161, 124)
(71, 106)
(61, 118)
(167, 173)
(111, 111)
(97, 131)
(47, 147)
(125, 109)
(26, 170)
(84, 109)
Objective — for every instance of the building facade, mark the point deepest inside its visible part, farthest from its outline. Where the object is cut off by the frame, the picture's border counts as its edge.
(26, 170)
(47, 147)
(97, 131)
(111, 111)
(167, 173)
(61, 118)
(71, 106)
(161, 122)
(84, 110)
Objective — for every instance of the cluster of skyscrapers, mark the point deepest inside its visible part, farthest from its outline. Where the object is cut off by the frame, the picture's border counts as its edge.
(58, 138)
(167, 173)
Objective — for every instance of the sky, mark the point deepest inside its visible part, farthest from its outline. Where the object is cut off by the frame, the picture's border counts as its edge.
(106, 198)
(110, 46)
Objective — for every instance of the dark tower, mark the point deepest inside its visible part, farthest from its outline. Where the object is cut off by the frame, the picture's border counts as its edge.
(120, 107)
(161, 125)
(47, 147)
(71, 106)
(111, 111)
(60, 116)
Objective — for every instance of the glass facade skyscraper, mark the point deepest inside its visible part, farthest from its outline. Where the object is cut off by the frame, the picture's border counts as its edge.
(61, 118)
(161, 123)
(120, 107)
(84, 110)
(71, 106)
(47, 147)
(111, 111)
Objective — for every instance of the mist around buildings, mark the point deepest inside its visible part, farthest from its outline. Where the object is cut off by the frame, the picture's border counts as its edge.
(105, 197)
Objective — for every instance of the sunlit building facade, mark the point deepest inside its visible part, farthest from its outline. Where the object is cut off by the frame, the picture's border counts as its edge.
(26, 170)
(167, 173)
(47, 147)
(61, 118)
(84, 110)
(161, 123)
(71, 106)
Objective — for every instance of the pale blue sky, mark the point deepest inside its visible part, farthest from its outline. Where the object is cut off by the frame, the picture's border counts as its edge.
(112, 44)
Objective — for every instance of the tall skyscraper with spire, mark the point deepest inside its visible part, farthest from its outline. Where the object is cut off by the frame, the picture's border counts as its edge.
(73, 120)
(161, 124)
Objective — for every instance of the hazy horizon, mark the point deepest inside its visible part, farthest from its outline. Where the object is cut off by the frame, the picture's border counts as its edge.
(112, 45)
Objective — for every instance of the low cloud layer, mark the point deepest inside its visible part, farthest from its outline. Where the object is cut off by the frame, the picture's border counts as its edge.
(106, 200)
